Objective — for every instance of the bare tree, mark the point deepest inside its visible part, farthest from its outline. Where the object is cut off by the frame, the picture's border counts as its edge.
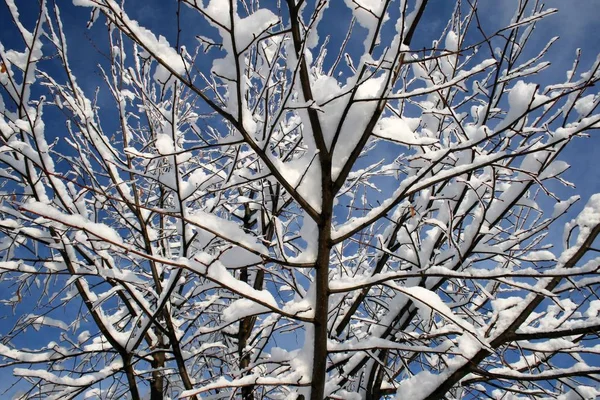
(269, 213)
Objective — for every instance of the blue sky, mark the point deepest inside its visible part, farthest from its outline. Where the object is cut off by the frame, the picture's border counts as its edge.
(577, 24)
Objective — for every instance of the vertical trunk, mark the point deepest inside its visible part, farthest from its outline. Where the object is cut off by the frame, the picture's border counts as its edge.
(245, 329)
(320, 327)
(247, 324)
(322, 291)
(129, 372)
(157, 385)
(243, 335)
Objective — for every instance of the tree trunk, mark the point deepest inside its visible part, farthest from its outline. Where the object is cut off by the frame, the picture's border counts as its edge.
(322, 291)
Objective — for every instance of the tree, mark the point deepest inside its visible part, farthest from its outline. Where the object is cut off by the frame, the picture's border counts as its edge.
(269, 213)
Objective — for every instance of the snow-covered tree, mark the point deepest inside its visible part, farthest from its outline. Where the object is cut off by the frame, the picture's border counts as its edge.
(258, 206)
